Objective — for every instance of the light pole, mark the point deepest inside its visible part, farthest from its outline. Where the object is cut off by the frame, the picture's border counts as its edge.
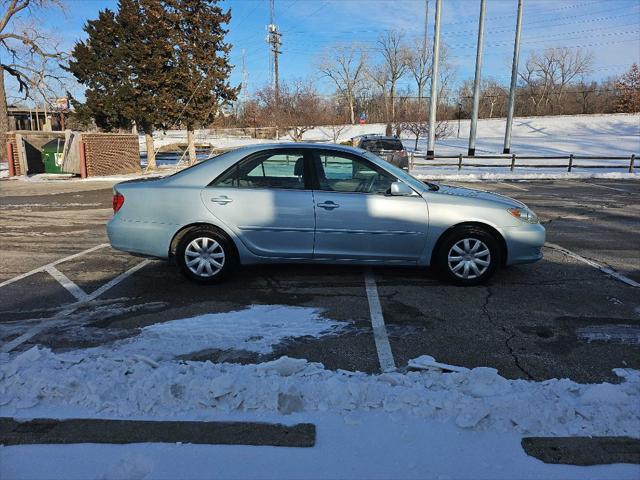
(433, 101)
(514, 79)
(476, 83)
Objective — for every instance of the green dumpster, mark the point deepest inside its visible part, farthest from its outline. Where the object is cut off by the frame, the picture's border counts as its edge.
(52, 156)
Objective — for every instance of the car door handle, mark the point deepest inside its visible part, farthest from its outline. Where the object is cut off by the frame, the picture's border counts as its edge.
(328, 205)
(222, 200)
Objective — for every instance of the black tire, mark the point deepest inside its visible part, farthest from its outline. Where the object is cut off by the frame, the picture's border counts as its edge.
(215, 241)
(476, 272)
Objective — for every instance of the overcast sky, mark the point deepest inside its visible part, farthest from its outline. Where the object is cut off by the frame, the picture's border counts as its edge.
(608, 28)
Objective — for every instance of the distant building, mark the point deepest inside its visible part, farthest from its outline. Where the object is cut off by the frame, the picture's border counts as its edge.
(26, 118)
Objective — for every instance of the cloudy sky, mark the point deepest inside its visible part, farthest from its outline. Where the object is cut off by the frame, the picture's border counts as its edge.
(610, 29)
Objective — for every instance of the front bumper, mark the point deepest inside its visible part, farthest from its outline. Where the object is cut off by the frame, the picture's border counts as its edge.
(524, 243)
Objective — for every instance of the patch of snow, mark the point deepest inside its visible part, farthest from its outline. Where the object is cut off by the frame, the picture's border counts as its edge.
(256, 329)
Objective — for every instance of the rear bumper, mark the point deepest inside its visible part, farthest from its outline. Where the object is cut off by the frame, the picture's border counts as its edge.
(524, 243)
(140, 238)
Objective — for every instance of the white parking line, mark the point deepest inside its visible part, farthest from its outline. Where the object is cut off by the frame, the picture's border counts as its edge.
(118, 279)
(601, 186)
(517, 187)
(67, 283)
(53, 264)
(602, 268)
(609, 188)
(385, 356)
(59, 317)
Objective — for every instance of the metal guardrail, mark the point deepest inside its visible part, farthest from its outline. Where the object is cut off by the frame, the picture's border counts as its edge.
(428, 160)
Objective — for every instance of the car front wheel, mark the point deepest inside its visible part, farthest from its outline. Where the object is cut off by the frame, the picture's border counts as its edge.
(468, 256)
(205, 255)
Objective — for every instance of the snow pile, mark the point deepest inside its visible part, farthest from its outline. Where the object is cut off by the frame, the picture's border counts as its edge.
(40, 383)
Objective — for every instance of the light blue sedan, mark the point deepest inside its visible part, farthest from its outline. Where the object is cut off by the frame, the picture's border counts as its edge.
(314, 203)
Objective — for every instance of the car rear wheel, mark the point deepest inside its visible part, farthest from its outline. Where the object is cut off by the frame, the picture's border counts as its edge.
(205, 255)
(468, 256)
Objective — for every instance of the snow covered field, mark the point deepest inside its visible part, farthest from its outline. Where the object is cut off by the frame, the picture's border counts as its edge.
(410, 424)
(587, 135)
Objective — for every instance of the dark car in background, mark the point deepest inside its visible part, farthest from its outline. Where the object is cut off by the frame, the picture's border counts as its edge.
(387, 148)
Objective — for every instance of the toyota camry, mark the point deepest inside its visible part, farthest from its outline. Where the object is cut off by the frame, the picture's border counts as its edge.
(313, 203)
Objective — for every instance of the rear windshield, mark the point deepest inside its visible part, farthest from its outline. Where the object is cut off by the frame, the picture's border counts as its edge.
(386, 144)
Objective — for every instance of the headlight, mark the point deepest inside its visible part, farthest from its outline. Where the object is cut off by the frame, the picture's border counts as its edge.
(523, 214)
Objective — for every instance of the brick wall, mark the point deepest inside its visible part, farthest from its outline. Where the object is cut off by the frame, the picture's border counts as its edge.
(111, 153)
(11, 140)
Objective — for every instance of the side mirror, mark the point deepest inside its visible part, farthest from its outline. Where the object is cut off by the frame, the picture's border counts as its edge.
(399, 189)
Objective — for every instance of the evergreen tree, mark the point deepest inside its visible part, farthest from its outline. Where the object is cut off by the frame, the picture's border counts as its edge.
(155, 64)
(124, 63)
(200, 79)
(628, 86)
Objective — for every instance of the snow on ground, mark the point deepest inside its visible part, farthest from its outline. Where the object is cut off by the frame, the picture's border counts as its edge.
(467, 423)
(482, 174)
(607, 135)
(369, 446)
(587, 135)
(604, 134)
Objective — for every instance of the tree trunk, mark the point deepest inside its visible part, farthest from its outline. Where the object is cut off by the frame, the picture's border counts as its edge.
(351, 112)
(192, 146)
(4, 117)
(151, 153)
(392, 94)
(416, 145)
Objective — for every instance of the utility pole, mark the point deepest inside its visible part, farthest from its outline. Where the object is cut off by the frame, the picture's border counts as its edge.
(274, 40)
(424, 50)
(514, 79)
(244, 80)
(433, 101)
(426, 26)
(476, 83)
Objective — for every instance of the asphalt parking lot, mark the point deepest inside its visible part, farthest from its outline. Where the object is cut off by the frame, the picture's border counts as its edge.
(561, 317)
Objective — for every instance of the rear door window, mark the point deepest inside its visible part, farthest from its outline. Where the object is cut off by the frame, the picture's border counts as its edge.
(282, 170)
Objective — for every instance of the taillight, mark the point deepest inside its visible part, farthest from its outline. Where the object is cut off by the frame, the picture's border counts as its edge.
(118, 201)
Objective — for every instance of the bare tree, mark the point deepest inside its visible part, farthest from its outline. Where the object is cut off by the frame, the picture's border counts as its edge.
(335, 130)
(345, 66)
(546, 75)
(378, 80)
(394, 64)
(419, 65)
(28, 52)
(417, 124)
(299, 107)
